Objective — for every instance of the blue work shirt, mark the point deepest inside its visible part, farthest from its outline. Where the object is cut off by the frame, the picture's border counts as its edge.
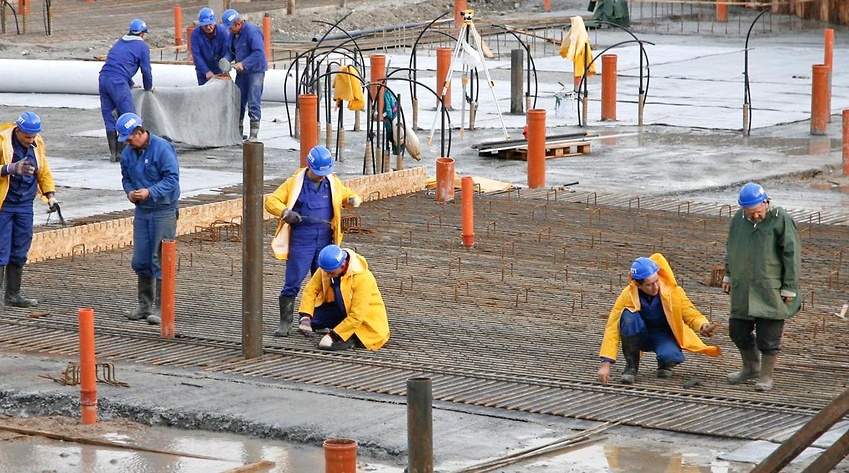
(315, 204)
(155, 168)
(248, 47)
(127, 56)
(651, 310)
(336, 284)
(22, 189)
(208, 50)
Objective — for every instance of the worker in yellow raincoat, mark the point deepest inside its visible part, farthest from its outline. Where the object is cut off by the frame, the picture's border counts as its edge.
(654, 314)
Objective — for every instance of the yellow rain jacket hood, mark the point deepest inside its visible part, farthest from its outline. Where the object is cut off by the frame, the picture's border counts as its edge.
(42, 174)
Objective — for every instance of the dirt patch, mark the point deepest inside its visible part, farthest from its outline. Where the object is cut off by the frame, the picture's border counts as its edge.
(65, 426)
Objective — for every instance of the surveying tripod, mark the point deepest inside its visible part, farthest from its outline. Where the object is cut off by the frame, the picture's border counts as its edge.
(469, 37)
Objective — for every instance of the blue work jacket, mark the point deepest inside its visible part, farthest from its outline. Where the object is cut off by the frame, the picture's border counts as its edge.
(206, 51)
(127, 56)
(248, 47)
(155, 168)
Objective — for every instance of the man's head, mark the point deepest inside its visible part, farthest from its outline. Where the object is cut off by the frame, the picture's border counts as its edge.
(319, 163)
(333, 260)
(206, 19)
(138, 27)
(232, 21)
(27, 128)
(644, 273)
(754, 202)
(129, 127)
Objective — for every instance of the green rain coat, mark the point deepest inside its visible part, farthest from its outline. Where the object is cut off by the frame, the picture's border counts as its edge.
(762, 263)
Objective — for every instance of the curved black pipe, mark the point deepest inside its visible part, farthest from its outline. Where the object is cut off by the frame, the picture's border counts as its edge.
(6, 3)
(413, 65)
(531, 64)
(747, 89)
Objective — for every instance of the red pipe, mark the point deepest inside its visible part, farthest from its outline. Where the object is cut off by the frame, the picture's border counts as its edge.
(169, 275)
(178, 25)
(468, 201)
(846, 142)
(378, 73)
(546, 5)
(443, 62)
(340, 456)
(88, 375)
(308, 116)
(536, 148)
(444, 179)
(819, 99)
(722, 11)
(829, 61)
(459, 6)
(266, 35)
(608, 87)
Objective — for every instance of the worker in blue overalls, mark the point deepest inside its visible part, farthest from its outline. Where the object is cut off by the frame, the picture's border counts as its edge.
(209, 44)
(247, 48)
(127, 56)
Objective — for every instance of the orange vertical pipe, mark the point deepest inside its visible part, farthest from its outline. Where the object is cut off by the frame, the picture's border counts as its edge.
(546, 5)
(378, 73)
(178, 25)
(468, 201)
(443, 62)
(340, 456)
(459, 6)
(189, 30)
(536, 148)
(829, 61)
(23, 7)
(846, 142)
(308, 115)
(608, 87)
(819, 97)
(722, 11)
(88, 375)
(266, 35)
(444, 179)
(169, 287)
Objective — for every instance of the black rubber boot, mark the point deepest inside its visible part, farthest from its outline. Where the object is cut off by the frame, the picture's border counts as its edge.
(254, 130)
(631, 352)
(145, 288)
(112, 139)
(751, 367)
(665, 370)
(287, 310)
(14, 274)
(155, 317)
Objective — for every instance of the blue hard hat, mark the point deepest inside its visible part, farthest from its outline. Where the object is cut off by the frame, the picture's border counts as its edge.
(229, 16)
(206, 17)
(320, 160)
(751, 195)
(29, 123)
(331, 258)
(126, 124)
(642, 268)
(138, 26)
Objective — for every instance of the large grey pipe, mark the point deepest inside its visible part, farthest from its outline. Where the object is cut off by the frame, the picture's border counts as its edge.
(419, 426)
(252, 232)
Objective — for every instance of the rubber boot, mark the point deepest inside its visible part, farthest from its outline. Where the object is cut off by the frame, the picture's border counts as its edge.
(665, 370)
(631, 351)
(112, 139)
(287, 310)
(767, 367)
(14, 274)
(145, 287)
(155, 317)
(254, 130)
(751, 367)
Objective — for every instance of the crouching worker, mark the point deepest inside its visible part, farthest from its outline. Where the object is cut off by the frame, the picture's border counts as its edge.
(653, 314)
(343, 296)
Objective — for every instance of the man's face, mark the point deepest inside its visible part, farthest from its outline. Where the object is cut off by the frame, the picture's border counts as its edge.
(137, 139)
(236, 27)
(313, 176)
(650, 285)
(756, 213)
(25, 139)
(208, 29)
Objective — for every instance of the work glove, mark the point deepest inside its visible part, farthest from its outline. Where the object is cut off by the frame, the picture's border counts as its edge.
(291, 217)
(709, 329)
(329, 339)
(305, 325)
(52, 202)
(353, 202)
(20, 168)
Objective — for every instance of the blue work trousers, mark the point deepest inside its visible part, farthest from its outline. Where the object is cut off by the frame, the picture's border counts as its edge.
(15, 236)
(115, 96)
(149, 229)
(303, 258)
(662, 342)
(250, 91)
(327, 315)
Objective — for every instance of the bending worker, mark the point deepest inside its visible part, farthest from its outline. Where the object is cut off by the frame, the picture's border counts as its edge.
(653, 314)
(343, 296)
(309, 205)
(127, 56)
(209, 45)
(763, 262)
(247, 48)
(23, 175)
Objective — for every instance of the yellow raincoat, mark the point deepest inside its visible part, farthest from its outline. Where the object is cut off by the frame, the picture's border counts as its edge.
(363, 303)
(348, 86)
(578, 49)
(683, 317)
(42, 174)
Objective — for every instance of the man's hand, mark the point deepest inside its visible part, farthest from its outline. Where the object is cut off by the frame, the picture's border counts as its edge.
(239, 67)
(291, 217)
(20, 168)
(726, 287)
(326, 341)
(708, 329)
(52, 202)
(209, 75)
(787, 299)
(352, 201)
(305, 325)
(138, 195)
(604, 373)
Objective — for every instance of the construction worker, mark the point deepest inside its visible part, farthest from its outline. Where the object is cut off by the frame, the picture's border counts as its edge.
(150, 176)
(24, 174)
(653, 313)
(309, 205)
(247, 48)
(127, 56)
(209, 44)
(343, 296)
(763, 261)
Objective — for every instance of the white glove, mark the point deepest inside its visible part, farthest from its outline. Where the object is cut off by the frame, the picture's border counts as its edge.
(326, 341)
(51, 201)
(353, 202)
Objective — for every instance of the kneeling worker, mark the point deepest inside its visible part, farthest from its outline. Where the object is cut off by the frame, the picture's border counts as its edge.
(343, 296)
(654, 314)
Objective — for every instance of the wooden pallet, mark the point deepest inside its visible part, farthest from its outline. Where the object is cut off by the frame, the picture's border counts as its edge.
(552, 150)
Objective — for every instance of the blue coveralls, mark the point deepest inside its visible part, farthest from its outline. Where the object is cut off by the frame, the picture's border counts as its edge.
(655, 334)
(16, 214)
(248, 47)
(155, 168)
(127, 56)
(310, 236)
(330, 314)
(207, 51)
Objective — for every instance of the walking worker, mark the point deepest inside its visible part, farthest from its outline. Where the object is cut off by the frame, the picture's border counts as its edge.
(247, 48)
(653, 313)
(309, 204)
(127, 56)
(150, 176)
(23, 175)
(763, 260)
(343, 296)
(209, 45)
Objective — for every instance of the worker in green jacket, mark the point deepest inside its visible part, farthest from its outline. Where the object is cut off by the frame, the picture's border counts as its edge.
(762, 266)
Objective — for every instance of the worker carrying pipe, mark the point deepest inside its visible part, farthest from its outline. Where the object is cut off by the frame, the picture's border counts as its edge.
(653, 313)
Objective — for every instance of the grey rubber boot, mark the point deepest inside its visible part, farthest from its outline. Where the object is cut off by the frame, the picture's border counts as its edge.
(287, 310)
(751, 367)
(254, 130)
(631, 352)
(767, 367)
(665, 370)
(14, 274)
(145, 288)
(155, 317)
(112, 139)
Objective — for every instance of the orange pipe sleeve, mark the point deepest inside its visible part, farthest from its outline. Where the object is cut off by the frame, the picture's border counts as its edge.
(178, 25)
(23, 7)
(846, 142)
(819, 99)
(189, 30)
(722, 11)
(88, 374)
(536, 148)
(546, 5)
(378, 73)
(308, 115)
(829, 61)
(340, 456)
(443, 62)
(459, 5)
(608, 87)
(266, 35)
(169, 287)
(468, 203)
(444, 179)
